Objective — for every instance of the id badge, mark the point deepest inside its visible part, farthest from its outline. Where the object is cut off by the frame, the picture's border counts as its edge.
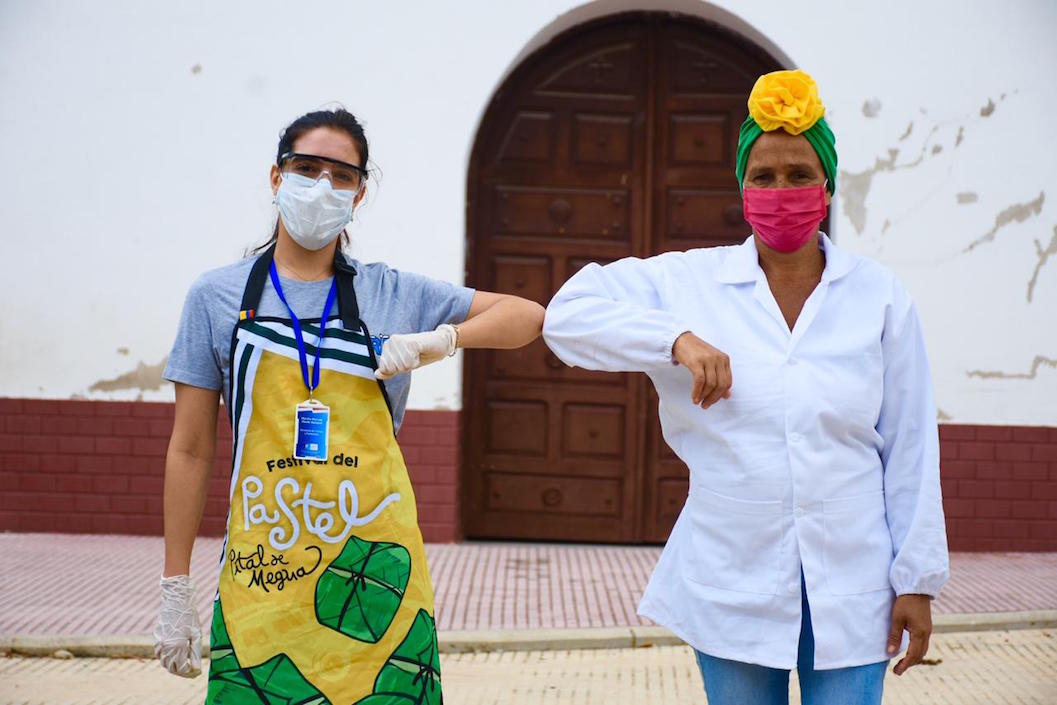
(311, 430)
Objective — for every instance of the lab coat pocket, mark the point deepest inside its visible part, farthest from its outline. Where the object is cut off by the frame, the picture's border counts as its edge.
(736, 543)
(858, 545)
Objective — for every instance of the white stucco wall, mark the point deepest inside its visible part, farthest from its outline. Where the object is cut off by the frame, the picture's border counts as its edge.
(138, 137)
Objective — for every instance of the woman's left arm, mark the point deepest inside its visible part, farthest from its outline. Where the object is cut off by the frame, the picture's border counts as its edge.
(500, 321)
(913, 501)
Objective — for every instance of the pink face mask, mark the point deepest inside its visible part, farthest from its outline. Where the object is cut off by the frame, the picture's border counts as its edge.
(785, 218)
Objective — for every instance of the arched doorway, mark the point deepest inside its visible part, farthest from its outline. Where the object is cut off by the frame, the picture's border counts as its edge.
(616, 139)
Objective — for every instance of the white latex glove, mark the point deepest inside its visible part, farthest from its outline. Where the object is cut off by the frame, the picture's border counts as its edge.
(178, 635)
(403, 353)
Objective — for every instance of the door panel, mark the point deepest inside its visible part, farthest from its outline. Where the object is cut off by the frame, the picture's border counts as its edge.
(562, 496)
(607, 68)
(697, 139)
(555, 211)
(614, 140)
(530, 138)
(602, 139)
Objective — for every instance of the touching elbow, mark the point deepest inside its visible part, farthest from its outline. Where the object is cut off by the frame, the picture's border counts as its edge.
(556, 334)
(529, 317)
(537, 316)
(550, 325)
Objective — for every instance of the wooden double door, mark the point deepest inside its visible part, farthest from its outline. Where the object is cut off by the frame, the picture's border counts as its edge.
(616, 139)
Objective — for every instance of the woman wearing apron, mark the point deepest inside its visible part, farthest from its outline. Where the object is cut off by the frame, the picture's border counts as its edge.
(324, 595)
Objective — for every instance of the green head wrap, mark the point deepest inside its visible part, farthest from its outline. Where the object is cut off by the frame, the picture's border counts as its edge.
(819, 135)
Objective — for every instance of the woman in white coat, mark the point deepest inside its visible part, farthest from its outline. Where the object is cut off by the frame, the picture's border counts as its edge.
(794, 383)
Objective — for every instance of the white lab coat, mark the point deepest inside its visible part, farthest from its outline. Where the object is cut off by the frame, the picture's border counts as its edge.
(825, 457)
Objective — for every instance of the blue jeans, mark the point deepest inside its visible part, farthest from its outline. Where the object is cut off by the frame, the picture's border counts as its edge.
(737, 683)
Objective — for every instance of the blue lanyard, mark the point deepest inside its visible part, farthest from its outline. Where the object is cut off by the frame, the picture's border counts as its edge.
(299, 336)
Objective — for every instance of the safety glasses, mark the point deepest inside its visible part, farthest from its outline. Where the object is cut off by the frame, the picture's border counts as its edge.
(342, 175)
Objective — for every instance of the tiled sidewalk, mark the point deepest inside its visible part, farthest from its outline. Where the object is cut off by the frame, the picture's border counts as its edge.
(81, 584)
(981, 668)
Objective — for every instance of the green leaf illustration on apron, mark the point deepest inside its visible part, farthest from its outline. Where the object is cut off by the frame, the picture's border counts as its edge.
(274, 682)
(221, 654)
(412, 673)
(360, 592)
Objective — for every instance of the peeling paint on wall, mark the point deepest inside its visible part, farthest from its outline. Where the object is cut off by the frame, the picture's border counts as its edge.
(967, 197)
(1016, 213)
(122, 351)
(196, 69)
(942, 415)
(871, 108)
(856, 187)
(1044, 256)
(144, 378)
(1036, 365)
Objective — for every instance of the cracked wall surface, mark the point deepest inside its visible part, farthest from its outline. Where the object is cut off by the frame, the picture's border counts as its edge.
(1040, 362)
(966, 223)
(144, 378)
(1013, 213)
(1044, 257)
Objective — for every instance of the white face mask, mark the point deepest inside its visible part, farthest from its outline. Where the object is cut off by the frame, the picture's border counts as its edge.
(313, 212)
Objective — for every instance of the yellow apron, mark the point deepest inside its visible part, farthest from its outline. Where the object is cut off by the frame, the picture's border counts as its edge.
(324, 596)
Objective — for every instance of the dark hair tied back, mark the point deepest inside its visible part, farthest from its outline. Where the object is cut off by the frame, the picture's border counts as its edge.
(337, 119)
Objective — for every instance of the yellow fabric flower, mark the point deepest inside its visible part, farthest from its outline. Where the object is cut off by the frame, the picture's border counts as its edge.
(786, 99)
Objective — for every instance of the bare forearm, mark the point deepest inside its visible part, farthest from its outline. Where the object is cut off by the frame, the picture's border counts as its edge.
(508, 323)
(186, 486)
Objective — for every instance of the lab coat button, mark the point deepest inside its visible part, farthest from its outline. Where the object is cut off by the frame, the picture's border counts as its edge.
(792, 361)
(795, 437)
(794, 587)
(799, 512)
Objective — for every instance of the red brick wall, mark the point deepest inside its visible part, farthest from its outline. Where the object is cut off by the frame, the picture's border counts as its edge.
(97, 467)
(1000, 487)
(430, 443)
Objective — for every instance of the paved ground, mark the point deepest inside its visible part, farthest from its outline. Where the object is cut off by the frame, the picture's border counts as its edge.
(80, 584)
(984, 667)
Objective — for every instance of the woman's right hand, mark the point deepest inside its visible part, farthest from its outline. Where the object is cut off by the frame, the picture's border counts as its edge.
(710, 367)
(188, 464)
(178, 635)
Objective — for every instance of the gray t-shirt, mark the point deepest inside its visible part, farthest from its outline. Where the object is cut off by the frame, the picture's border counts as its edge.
(390, 301)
